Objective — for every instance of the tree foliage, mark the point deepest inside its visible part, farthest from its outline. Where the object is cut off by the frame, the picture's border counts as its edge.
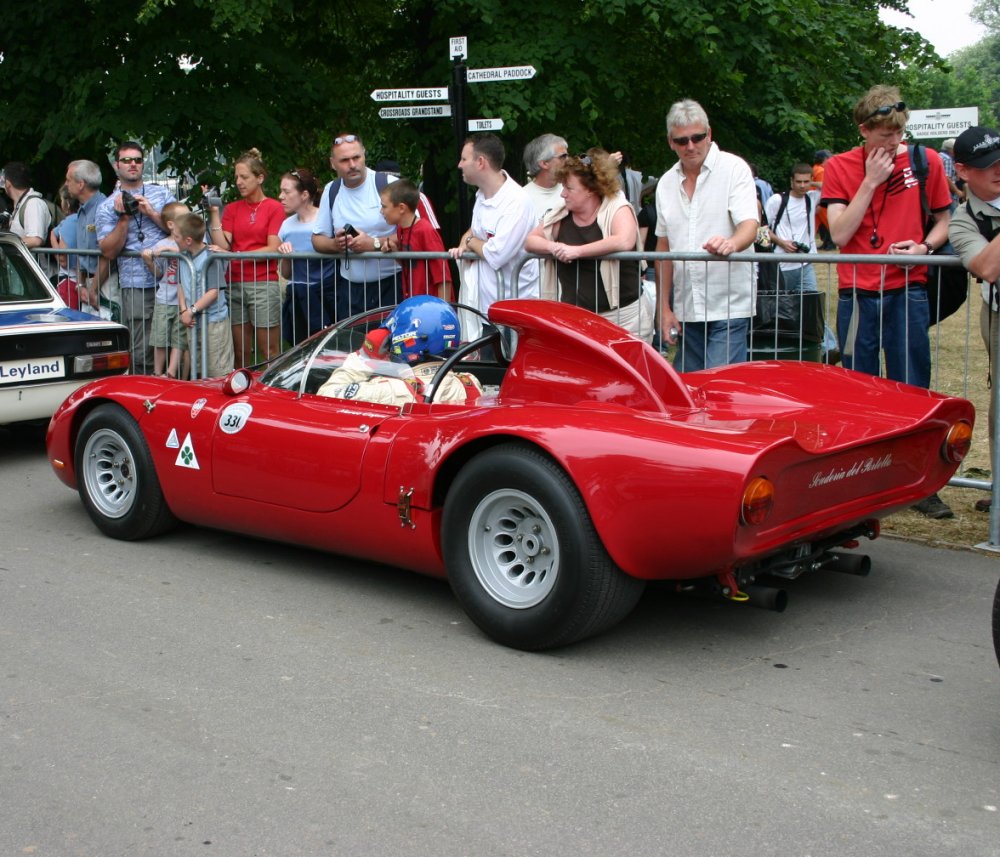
(777, 77)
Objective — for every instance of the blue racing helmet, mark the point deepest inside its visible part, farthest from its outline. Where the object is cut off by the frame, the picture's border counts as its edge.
(421, 328)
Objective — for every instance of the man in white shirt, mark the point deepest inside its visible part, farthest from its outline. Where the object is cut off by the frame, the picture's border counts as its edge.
(706, 202)
(30, 218)
(360, 285)
(792, 222)
(542, 157)
(501, 220)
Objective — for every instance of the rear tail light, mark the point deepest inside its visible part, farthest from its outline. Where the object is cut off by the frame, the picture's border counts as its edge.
(758, 500)
(86, 363)
(957, 442)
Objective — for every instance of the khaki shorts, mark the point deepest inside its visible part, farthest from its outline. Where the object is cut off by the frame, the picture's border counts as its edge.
(168, 332)
(258, 304)
(220, 360)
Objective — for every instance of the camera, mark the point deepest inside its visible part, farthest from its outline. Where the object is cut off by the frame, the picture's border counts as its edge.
(130, 204)
(800, 247)
(5, 220)
(350, 230)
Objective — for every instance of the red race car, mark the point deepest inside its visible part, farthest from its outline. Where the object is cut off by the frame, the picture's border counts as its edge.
(587, 468)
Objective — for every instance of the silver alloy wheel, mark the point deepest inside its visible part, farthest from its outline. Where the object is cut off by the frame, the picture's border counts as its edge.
(109, 473)
(514, 548)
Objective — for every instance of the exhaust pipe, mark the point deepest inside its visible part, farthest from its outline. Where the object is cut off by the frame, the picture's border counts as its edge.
(767, 597)
(858, 564)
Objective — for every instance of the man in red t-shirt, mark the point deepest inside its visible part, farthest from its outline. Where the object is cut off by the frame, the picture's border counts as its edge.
(872, 197)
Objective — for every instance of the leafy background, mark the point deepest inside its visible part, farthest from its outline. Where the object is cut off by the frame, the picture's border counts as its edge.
(211, 79)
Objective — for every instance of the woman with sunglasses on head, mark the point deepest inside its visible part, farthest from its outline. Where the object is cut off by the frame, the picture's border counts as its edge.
(594, 219)
(251, 225)
(310, 281)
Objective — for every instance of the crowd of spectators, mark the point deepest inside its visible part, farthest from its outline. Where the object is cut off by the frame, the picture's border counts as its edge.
(572, 212)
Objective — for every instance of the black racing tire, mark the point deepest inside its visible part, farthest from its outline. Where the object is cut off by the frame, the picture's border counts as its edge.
(522, 554)
(996, 623)
(116, 477)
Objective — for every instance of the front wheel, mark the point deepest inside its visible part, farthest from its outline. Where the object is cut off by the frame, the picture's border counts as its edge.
(116, 477)
(522, 554)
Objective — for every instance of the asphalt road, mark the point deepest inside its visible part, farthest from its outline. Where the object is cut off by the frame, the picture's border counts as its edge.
(208, 694)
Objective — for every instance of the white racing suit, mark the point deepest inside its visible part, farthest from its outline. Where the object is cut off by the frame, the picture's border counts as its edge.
(387, 383)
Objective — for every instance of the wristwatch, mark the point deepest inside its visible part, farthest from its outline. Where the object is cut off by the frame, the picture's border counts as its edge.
(377, 243)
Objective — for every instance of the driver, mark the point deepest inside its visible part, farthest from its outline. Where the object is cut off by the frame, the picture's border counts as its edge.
(398, 360)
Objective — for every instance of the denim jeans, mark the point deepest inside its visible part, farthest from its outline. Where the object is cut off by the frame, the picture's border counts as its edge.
(801, 279)
(895, 322)
(705, 344)
(353, 298)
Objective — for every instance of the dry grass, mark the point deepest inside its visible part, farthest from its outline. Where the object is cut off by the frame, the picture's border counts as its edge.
(958, 369)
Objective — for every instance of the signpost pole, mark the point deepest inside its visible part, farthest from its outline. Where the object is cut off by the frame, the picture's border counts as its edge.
(458, 118)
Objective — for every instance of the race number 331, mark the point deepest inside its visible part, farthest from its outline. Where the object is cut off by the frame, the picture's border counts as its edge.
(234, 418)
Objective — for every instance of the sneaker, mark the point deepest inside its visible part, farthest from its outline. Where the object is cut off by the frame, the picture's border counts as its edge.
(984, 504)
(933, 507)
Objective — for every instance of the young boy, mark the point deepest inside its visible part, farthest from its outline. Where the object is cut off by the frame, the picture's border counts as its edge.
(167, 331)
(414, 234)
(202, 295)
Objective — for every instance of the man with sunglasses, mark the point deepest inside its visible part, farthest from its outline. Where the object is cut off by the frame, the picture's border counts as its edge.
(873, 200)
(706, 202)
(133, 227)
(353, 223)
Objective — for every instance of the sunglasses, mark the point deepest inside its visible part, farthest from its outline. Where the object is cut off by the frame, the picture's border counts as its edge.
(694, 138)
(899, 106)
(130, 160)
(347, 138)
(584, 159)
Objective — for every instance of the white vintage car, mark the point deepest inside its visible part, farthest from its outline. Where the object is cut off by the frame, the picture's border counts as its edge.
(47, 350)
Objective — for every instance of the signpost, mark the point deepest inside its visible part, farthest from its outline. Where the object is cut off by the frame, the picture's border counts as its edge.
(495, 75)
(461, 76)
(428, 93)
(941, 123)
(485, 124)
(431, 111)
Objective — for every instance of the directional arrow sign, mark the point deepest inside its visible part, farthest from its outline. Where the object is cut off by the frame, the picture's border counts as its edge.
(485, 124)
(428, 93)
(431, 111)
(495, 75)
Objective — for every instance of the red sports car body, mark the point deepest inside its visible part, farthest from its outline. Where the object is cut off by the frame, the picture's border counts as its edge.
(589, 467)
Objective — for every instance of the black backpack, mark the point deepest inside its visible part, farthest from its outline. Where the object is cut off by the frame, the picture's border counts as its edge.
(947, 291)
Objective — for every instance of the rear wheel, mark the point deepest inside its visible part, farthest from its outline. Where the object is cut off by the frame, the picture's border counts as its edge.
(116, 477)
(522, 554)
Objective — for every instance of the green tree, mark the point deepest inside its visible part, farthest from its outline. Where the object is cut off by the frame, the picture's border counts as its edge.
(777, 77)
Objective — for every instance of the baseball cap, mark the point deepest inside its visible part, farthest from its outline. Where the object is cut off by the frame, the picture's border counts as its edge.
(978, 147)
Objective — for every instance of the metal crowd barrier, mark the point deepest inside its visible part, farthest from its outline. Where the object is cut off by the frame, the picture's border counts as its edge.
(315, 296)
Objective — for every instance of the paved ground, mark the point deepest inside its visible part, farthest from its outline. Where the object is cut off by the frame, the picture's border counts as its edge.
(206, 694)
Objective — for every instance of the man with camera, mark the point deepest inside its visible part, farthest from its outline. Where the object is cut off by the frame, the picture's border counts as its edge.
(350, 221)
(127, 223)
(792, 223)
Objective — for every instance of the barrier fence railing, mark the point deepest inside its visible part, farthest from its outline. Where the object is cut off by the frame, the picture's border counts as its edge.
(275, 299)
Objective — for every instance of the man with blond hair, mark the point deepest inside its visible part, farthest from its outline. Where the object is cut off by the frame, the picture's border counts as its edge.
(873, 199)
